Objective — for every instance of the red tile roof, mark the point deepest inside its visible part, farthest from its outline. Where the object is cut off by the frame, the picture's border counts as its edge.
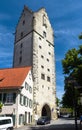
(13, 77)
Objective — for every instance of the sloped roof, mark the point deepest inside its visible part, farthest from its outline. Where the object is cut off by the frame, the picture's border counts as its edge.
(13, 77)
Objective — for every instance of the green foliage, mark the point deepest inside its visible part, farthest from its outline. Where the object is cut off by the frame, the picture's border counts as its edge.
(72, 67)
(70, 61)
(1, 105)
(80, 36)
(57, 101)
(66, 110)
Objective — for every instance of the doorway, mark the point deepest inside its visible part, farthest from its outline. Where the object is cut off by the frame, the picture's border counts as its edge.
(46, 111)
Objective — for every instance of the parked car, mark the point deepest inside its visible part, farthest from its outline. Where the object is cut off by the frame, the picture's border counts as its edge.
(66, 115)
(6, 123)
(43, 120)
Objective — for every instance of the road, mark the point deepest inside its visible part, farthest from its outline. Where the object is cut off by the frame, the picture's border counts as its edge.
(60, 124)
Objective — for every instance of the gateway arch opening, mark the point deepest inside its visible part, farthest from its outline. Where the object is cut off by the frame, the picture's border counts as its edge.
(46, 111)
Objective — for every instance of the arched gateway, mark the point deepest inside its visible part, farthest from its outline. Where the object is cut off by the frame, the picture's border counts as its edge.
(46, 111)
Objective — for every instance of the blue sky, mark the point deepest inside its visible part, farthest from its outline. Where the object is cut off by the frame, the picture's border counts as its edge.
(65, 17)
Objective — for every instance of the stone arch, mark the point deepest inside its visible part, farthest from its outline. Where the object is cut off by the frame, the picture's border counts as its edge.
(46, 111)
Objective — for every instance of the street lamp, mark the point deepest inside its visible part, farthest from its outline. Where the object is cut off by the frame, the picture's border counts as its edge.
(73, 82)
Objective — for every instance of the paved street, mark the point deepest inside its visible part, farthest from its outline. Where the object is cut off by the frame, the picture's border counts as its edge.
(60, 124)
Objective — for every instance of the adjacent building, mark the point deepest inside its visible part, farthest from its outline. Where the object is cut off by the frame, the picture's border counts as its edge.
(16, 94)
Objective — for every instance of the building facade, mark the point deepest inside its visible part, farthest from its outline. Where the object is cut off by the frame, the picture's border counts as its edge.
(16, 94)
(34, 46)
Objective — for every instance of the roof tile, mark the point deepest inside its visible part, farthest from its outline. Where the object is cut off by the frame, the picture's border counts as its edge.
(13, 77)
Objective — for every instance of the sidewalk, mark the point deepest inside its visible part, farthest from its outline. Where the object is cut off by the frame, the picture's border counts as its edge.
(25, 127)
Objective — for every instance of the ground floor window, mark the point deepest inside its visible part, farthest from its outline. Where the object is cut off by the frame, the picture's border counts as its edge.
(21, 119)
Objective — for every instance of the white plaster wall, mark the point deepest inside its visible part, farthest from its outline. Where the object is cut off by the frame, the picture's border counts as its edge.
(22, 109)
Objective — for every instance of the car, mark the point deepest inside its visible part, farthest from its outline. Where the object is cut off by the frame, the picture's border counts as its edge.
(43, 120)
(66, 115)
(6, 123)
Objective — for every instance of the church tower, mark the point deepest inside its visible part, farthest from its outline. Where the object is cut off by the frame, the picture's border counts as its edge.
(34, 46)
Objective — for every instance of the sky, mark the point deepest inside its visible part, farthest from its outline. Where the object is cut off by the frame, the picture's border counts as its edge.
(66, 19)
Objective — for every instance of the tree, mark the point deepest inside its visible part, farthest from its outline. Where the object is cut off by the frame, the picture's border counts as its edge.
(57, 101)
(72, 67)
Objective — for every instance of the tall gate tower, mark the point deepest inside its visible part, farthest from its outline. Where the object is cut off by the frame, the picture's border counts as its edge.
(34, 46)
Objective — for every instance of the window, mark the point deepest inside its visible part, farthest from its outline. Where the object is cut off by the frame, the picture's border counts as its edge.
(21, 99)
(21, 119)
(42, 56)
(42, 66)
(48, 78)
(27, 100)
(40, 47)
(47, 59)
(24, 100)
(44, 21)
(30, 76)
(21, 34)
(5, 122)
(20, 59)
(49, 53)
(42, 76)
(23, 22)
(30, 89)
(30, 103)
(44, 33)
(26, 86)
(48, 70)
(21, 45)
(9, 98)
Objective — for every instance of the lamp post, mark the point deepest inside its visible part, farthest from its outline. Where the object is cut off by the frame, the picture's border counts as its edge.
(73, 82)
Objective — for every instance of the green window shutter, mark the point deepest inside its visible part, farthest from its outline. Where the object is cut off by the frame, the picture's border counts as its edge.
(4, 97)
(19, 119)
(27, 101)
(1, 97)
(14, 97)
(30, 103)
(24, 100)
(20, 99)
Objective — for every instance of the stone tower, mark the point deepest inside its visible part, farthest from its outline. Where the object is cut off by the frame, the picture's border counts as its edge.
(34, 46)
